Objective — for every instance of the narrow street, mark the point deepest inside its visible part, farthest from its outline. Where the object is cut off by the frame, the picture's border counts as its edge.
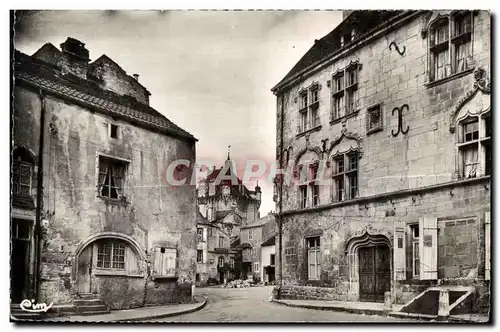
(252, 305)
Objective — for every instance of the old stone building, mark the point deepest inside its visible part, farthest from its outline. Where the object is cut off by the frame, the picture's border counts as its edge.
(252, 236)
(225, 206)
(93, 213)
(384, 127)
(215, 259)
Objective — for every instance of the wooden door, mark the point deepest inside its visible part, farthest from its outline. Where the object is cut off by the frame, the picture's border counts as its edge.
(374, 273)
(20, 259)
(85, 270)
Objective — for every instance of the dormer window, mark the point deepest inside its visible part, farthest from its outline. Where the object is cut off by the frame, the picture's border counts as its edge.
(475, 146)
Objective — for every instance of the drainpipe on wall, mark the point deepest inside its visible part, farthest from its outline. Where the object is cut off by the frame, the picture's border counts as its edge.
(39, 198)
(280, 204)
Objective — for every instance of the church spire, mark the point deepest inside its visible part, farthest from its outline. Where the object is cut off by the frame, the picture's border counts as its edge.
(229, 152)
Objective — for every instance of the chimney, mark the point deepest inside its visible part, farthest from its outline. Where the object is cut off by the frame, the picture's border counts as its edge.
(136, 76)
(76, 58)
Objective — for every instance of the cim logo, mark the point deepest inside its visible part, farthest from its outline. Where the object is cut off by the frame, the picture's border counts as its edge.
(31, 306)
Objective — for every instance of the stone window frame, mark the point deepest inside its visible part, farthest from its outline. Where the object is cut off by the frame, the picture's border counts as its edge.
(117, 134)
(316, 249)
(125, 166)
(380, 125)
(447, 20)
(345, 175)
(309, 119)
(342, 92)
(480, 143)
(308, 186)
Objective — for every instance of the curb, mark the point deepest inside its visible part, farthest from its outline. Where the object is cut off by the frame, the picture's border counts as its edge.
(200, 306)
(339, 309)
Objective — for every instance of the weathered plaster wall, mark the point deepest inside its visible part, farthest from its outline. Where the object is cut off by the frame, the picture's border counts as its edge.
(155, 212)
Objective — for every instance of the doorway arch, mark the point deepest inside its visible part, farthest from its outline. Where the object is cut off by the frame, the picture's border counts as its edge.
(374, 253)
(84, 260)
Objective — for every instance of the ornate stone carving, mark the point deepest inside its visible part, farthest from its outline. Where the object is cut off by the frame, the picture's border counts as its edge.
(349, 135)
(481, 84)
(314, 149)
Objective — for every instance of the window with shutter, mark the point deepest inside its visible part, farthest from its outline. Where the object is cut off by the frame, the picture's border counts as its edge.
(487, 244)
(165, 262)
(399, 251)
(428, 248)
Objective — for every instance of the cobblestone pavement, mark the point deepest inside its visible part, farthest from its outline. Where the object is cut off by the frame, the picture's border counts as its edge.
(252, 305)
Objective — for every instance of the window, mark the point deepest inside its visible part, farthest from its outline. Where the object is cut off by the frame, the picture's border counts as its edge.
(164, 262)
(303, 196)
(111, 177)
(450, 45)
(231, 262)
(113, 131)
(345, 92)
(475, 146)
(197, 277)
(256, 267)
(221, 242)
(272, 260)
(374, 119)
(309, 109)
(199, 256)
(111, 255)
(250, 234)
(21, 229)
(415, 250)
(210, 231)
(345, 178)
(220, 262)
(22, 172)
(313, 258)
(199, 233)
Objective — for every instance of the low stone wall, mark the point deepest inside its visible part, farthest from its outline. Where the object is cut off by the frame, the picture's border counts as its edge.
(312, 293)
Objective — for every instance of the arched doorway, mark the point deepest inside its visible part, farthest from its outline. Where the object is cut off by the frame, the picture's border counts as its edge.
(369, 267)
(106, 253)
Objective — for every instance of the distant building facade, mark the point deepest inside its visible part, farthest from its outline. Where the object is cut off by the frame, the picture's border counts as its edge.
(386, 123)
(92, 212)
(225, 206)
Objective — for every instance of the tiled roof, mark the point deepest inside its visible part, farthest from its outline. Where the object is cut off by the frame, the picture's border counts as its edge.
(52, 81)
(269, 242)
(363, 20)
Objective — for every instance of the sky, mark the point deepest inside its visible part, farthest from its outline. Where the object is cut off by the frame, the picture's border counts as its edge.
(210, 72)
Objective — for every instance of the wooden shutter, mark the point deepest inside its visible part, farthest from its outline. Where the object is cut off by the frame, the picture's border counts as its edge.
(487, 246)
(399, 251)
(157, 261)
(169, 262)
(428, 248)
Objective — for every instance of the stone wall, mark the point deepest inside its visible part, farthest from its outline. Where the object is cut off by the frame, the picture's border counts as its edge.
(426, 154)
